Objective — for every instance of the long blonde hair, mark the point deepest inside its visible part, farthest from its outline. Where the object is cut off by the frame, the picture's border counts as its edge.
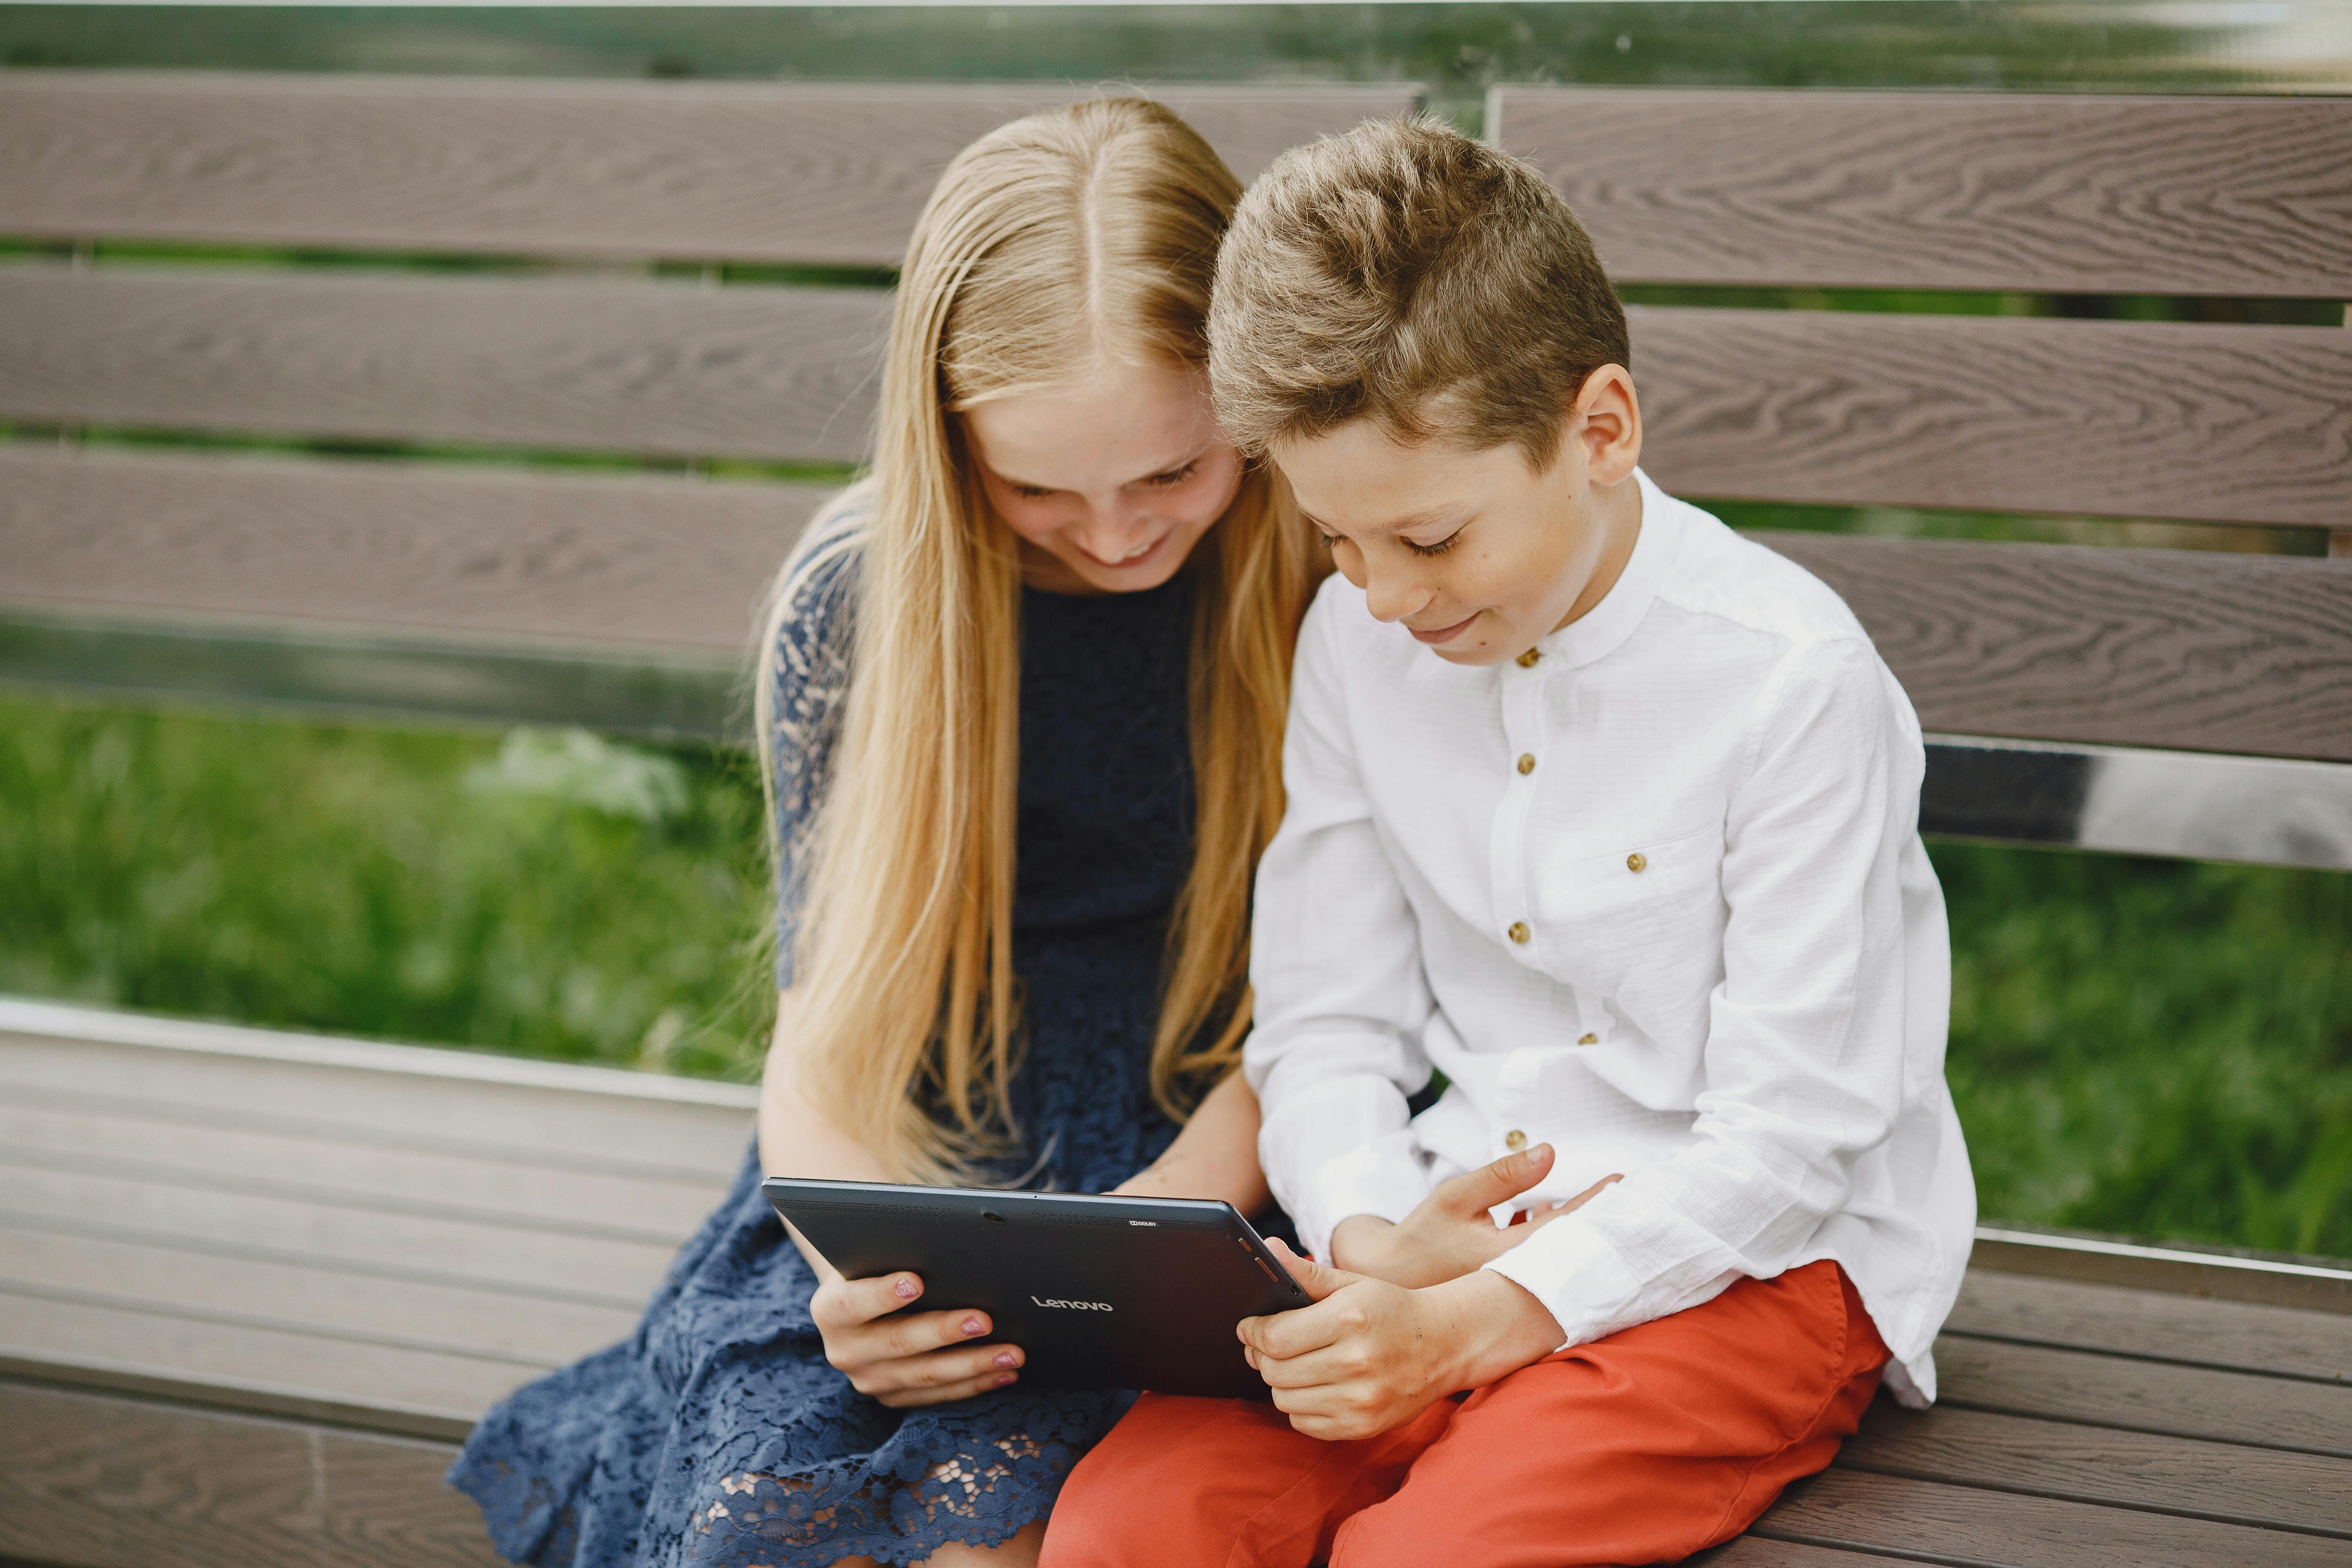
(1085, 233)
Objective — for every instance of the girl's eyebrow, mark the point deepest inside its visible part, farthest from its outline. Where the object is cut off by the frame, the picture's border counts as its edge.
(1149, 474)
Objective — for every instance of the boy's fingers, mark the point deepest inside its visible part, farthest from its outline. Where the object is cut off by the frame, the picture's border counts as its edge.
(1588, 1194)
(1474, 1192)
(1317, 1279)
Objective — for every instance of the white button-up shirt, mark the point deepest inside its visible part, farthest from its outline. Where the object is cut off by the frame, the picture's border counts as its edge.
(1653, 894)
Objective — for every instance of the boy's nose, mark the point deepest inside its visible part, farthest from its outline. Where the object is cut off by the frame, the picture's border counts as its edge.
(1391, 598)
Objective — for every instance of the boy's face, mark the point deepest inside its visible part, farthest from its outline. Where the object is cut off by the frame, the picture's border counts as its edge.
(1478, 555)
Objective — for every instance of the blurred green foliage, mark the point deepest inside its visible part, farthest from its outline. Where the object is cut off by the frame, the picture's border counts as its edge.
(558, 896)
(2155, 1047)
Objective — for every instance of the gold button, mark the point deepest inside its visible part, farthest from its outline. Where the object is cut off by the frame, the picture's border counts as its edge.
(1590, 1040)
(1636, 860)
(1526, 761)
(1518, 931)
(1514, 1140)
(1527, 659)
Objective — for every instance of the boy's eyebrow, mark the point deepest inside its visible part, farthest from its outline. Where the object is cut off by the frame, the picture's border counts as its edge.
(1404, 524)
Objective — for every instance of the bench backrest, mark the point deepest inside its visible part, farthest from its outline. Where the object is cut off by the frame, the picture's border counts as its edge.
(2067, 684)
(2097, 653)
(575, 230)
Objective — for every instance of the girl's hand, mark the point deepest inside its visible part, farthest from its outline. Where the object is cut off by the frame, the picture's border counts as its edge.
(1369, 1356)
(928, 1358)
(1450, 1234)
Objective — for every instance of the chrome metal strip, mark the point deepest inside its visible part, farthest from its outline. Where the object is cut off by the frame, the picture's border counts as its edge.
(2193, 805)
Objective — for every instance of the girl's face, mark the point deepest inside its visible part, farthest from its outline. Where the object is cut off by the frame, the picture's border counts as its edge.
(1110, 480)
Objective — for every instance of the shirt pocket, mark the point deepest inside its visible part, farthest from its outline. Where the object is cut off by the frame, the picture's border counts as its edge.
(1652, 907)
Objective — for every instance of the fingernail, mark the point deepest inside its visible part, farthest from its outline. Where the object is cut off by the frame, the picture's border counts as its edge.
(1005, 1381)
(974, 1326)
(905, 1289)
(1007, 1359)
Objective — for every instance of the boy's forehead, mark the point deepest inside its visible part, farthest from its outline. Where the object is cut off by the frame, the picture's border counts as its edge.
(1359, 479)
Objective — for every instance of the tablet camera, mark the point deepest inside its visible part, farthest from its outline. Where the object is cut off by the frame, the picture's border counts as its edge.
(992, 1213)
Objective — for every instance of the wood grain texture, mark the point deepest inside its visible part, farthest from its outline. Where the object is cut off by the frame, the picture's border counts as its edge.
(325, 1169)
(736, 171)
(346, 1373)
(95, 1482)
(1964, 1524)
(497, 557)
(2190, 1270)
(2225, 424)
(2235, 1335)
(506, 1123)
(2189, 650)
(1755, 1551)
(488, 1257)
(2088, 193)
(655, 367)
(529, 1330)
(2257, 1487)
(2145, 1397)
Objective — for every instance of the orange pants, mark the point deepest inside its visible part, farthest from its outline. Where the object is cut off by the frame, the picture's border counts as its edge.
(1642, 1447)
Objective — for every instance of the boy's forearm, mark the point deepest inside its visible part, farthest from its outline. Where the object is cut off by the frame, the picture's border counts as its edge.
(1215, 1156)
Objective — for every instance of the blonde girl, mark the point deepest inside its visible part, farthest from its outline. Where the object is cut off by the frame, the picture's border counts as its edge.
(1021, 709)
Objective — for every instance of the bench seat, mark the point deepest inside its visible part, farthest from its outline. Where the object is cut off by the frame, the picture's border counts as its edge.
(256, 1287)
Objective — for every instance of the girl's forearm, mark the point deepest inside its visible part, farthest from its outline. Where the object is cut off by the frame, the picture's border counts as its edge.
(1215, 1156)
(798, 1140)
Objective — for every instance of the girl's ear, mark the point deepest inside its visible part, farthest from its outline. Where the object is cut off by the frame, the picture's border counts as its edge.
(1608, 424)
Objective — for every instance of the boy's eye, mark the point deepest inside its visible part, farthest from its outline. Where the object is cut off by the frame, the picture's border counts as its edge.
(1174, 477)
(1440, 548)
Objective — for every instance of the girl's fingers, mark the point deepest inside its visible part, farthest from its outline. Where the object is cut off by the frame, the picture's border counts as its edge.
(910, 1398)
(940, 1369)
(903, 1339)
(845, 1303)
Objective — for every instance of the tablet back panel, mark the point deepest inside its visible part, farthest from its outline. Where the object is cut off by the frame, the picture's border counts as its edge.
(1099, 1292)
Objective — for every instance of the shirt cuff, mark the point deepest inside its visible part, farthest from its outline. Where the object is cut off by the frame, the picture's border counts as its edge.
(1579, 1277)
(1386, 1177)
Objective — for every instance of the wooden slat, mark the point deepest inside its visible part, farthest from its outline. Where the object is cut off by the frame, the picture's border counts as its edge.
(1755, 1551)
(238, 1358)
(530, 1331)
(1965, 1525)
(735, 171)
(621, 1274)
(492, 556)
(96, 1481)
(648, 367)
(2145, 1397)
(2083, 193)
(2179, 1268)
(2258, 1487)
(325, 1169)
(2188, 650)
(2232, 1334)
(2227, 424)
(570, 1124)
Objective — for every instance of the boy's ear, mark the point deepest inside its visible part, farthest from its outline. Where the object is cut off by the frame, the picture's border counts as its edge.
(1607, 423)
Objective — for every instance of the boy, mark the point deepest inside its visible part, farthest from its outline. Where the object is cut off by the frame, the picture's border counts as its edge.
(1610, 816)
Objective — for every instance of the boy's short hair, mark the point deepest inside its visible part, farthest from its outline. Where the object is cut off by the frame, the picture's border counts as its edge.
(1405, 273)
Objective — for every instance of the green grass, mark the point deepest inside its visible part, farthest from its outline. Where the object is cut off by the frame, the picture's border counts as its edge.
(2145, 1047)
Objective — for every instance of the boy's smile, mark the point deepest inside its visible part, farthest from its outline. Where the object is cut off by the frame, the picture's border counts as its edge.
(1474, 553)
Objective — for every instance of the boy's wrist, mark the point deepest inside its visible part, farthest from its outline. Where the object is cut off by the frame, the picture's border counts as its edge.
(1498, 1326)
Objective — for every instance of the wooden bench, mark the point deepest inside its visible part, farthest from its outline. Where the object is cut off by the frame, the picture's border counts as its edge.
(253, 1288)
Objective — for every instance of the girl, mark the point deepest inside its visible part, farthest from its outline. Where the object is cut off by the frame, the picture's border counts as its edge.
(1021, 712)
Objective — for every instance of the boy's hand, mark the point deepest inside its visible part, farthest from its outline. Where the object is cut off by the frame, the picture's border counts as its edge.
(1369, 1355)
(1450, 1234)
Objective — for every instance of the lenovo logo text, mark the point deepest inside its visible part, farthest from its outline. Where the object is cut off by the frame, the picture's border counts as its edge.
(1079, 1305)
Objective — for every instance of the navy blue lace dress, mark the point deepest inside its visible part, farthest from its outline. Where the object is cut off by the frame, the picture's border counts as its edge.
(717, 1435)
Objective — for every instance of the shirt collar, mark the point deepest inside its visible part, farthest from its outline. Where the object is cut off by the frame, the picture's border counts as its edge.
(1600, 629)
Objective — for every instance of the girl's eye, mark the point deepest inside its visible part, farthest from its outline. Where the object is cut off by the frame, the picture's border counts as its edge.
(1327, 541)
(1440, 548)
(1174, 477)
(1031, 493)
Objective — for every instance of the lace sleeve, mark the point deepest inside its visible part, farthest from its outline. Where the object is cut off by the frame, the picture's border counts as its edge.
(803, 678)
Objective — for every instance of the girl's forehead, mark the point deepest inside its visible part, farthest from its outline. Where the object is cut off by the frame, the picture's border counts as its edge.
(1115, 423)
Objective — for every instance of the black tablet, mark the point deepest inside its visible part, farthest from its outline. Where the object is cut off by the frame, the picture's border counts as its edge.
(1099, 1292)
